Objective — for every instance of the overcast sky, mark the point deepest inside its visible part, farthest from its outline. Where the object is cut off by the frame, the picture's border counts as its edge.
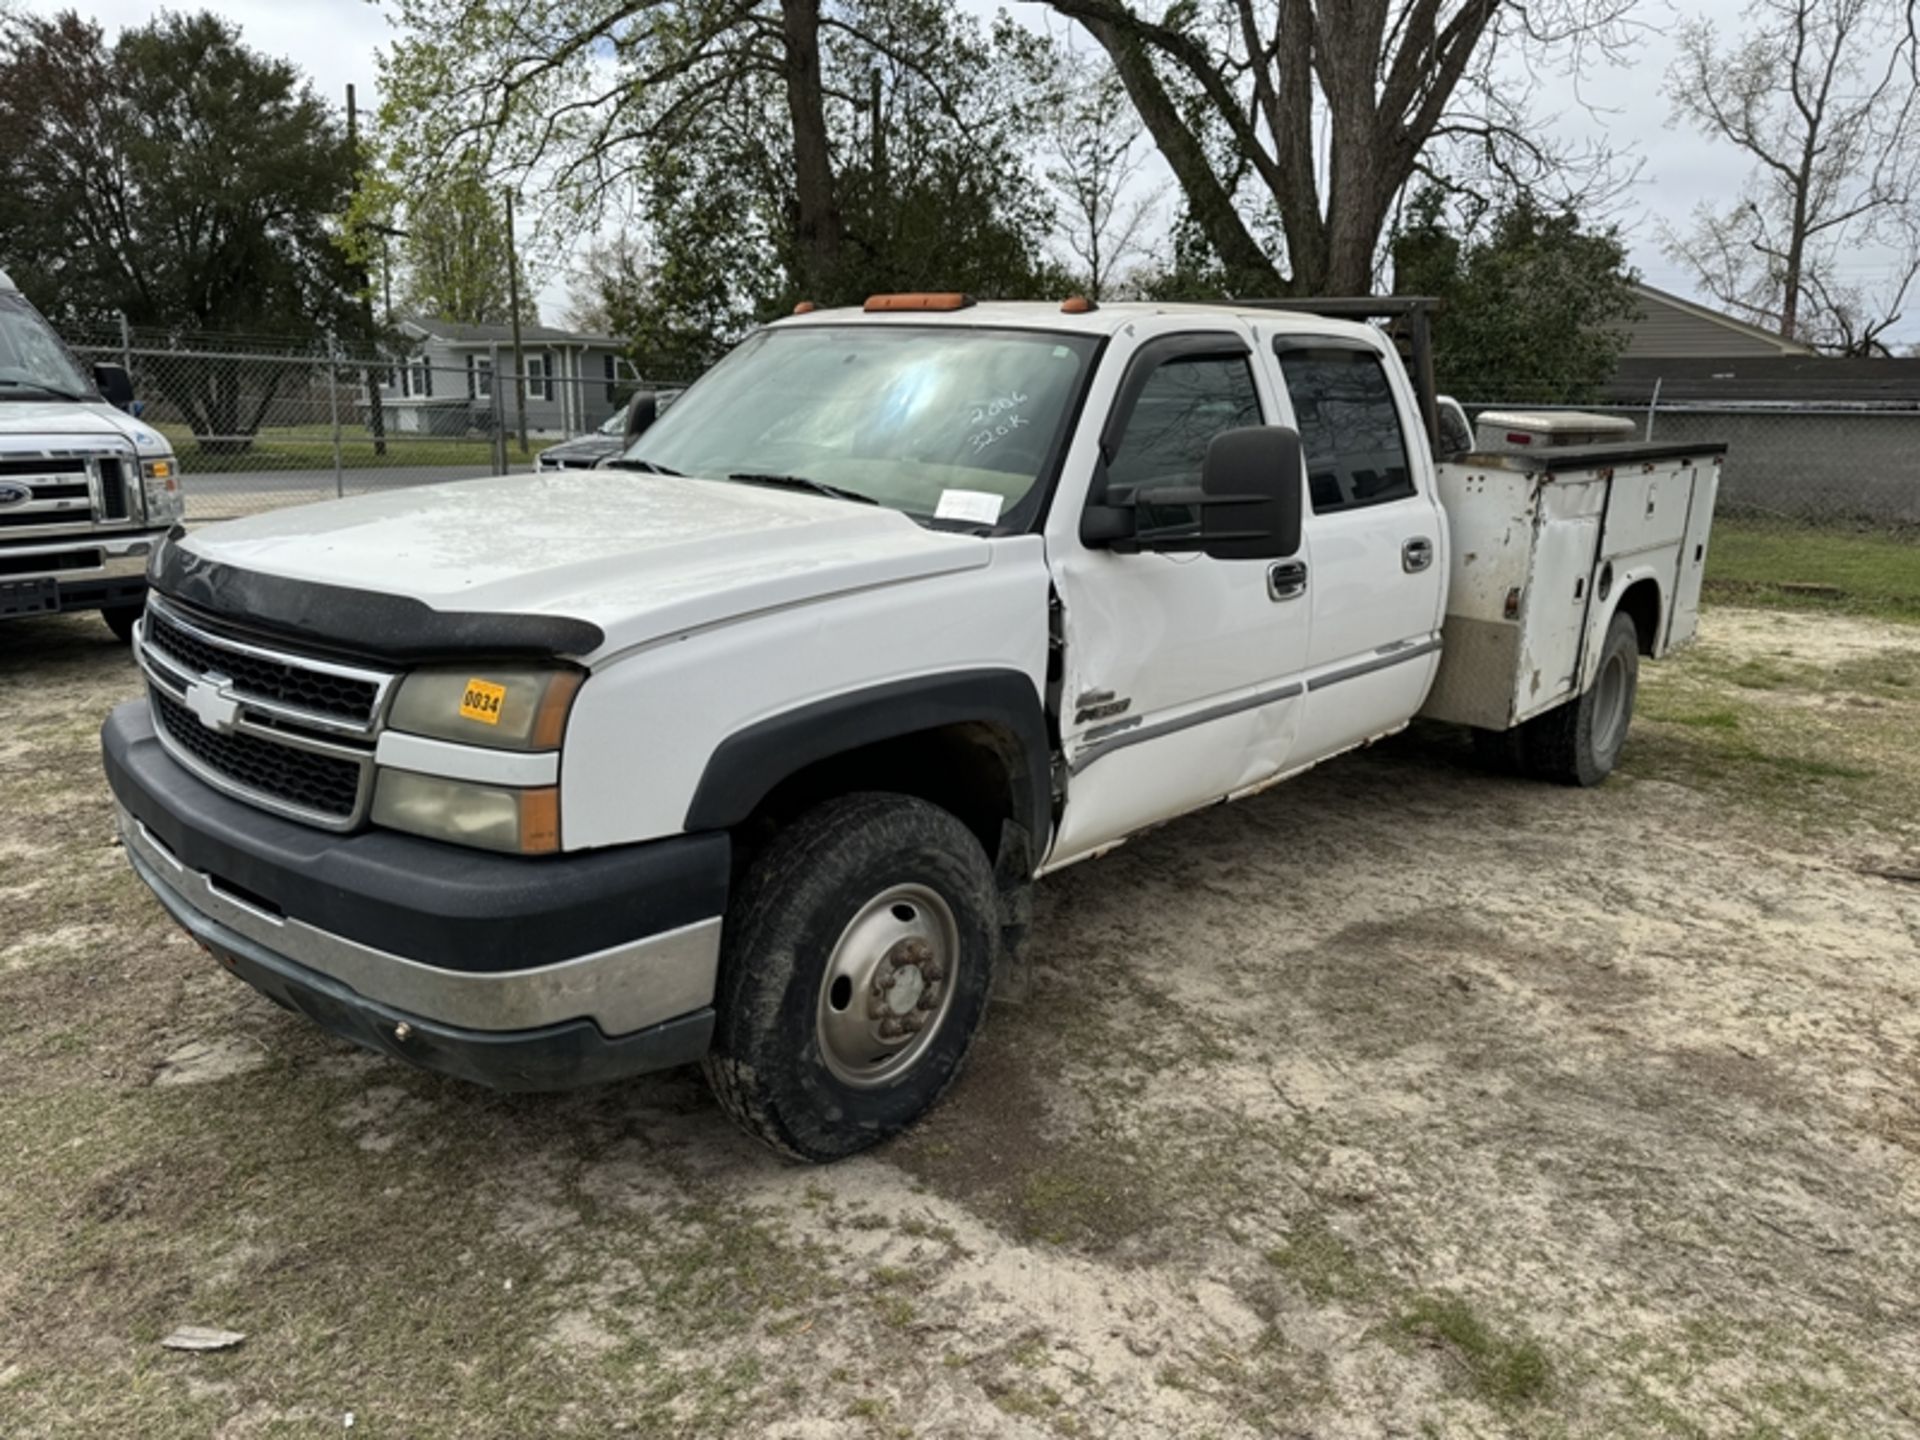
(335, 42)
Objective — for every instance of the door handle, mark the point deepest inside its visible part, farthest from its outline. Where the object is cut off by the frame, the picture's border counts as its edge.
(1287, 580)
(1416, 555)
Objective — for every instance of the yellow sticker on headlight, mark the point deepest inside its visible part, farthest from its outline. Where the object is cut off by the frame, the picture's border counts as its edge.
(482, 701)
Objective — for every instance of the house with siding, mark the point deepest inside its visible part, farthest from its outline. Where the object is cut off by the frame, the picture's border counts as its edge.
(1670, 327)
(1822, 437)
(446, 381)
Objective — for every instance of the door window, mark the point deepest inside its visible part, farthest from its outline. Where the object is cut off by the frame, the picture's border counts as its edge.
(1187, 401)
(1350, 431)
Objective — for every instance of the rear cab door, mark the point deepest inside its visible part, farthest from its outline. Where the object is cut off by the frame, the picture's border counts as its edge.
(1375, 538)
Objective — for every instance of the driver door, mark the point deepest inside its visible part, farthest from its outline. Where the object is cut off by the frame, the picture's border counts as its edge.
(1180, 682)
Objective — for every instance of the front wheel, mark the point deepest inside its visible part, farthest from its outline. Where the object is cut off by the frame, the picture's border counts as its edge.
(120, 619)
(857, 961)
(1579, 743)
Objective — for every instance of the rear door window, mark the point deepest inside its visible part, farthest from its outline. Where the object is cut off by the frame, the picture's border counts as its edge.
(1350, 431)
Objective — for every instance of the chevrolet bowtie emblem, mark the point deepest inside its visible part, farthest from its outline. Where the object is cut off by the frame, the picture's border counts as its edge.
(209, 700)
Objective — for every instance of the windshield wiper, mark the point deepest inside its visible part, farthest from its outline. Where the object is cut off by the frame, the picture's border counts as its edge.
(645, 467)
(44, 389)
(801, 482)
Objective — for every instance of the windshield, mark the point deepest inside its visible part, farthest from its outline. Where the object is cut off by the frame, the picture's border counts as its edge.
(32, 359)
(943, 422)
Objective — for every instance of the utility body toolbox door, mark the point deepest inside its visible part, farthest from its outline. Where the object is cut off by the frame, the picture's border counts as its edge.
(1683, 618)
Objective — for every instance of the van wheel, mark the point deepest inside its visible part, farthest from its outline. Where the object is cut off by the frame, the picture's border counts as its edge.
(120, 620)
(1579, 743)
(856, 963)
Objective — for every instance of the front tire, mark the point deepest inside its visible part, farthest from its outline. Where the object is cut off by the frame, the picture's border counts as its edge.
(1579, 743)
(857, 960)
(120, 620)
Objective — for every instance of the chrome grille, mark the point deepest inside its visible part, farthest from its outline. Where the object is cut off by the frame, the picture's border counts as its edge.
(59, 492)
(290, 733)
(322, 784)
(333, 693)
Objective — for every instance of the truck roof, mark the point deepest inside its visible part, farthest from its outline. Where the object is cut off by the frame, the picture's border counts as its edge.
(1105, 319)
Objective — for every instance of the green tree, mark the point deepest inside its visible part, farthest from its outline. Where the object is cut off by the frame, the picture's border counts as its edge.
(1536, 305)
(456, 254)
(765, 151)
(182, 179)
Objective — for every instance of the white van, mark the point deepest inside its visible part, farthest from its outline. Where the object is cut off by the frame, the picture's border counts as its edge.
(85, 488)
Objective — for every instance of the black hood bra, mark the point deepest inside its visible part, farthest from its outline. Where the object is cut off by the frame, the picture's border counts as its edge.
(359, 623)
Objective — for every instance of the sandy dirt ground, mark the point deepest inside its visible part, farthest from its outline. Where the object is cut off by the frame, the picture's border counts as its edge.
(1405, 1099)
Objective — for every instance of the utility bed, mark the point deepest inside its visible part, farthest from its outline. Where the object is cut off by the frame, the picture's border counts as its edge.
(1542, 540)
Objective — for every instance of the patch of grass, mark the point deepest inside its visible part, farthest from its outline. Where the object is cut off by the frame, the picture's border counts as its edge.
(1805, 567)
(1086, 1196)
(310, 447)
(1709, 720)
(1894, 675)
(1029, 1403)
(1504, 1370)
(1322, 1264)
(1825, 745)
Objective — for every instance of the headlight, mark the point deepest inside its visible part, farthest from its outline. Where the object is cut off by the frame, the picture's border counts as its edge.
(160, 487)
(491, 817)
(506, 707)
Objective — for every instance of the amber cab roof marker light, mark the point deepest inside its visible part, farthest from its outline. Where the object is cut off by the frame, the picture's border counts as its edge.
(1078, 305)
(920, 300)
(805, 307)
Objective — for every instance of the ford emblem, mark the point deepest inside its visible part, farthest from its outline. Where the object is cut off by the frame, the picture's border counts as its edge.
(12, 494)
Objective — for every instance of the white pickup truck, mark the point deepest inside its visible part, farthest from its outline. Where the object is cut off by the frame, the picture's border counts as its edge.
(86, 490)
(749, 750)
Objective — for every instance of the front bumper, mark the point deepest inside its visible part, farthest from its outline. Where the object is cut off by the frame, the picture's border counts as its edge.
(520, 974)
(86, 572)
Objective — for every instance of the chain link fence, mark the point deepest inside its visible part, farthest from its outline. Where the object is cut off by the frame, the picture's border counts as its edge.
(259, 424)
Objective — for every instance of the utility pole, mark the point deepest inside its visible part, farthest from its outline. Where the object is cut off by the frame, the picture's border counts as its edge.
(376, 411)
(513, 301)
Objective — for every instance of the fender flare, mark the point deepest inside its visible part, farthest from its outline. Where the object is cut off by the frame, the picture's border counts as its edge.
(745, 767)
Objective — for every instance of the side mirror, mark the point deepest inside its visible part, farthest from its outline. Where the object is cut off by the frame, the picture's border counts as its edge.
(1251, 484)
(641, 410)
(114, 384)
(1248, 502)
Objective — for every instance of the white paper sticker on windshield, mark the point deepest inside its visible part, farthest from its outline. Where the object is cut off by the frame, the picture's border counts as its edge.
(982, 507)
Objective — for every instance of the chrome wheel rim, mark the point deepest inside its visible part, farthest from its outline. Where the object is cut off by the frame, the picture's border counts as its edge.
(888, 986)
(1610, 705)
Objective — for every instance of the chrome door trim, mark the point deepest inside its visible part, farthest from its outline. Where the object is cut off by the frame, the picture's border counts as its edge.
(1383, 657)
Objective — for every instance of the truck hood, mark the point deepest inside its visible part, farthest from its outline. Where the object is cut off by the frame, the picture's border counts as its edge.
(40, 421)
(639, 556)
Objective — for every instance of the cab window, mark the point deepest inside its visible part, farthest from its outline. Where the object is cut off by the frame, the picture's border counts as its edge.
(1350, 432)
(1186, 401)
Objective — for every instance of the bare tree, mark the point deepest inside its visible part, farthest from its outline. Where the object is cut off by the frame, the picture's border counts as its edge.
(1823, 96)
(1096, 166)
(1327, 109)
